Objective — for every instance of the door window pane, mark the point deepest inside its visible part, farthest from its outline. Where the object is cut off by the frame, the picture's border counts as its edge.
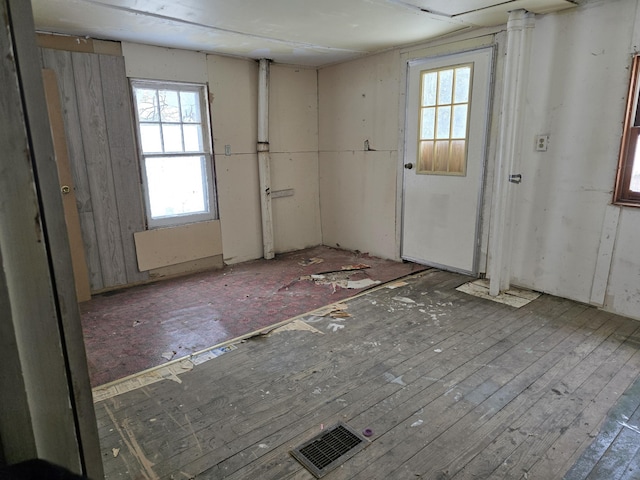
(459, 121)
(445, 89)
(429, 89)
(444, 122)
(463, 81)
(428, 123)
(444, 116)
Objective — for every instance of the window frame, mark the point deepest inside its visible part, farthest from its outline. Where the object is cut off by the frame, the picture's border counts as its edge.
(207, 153)
(623, 195)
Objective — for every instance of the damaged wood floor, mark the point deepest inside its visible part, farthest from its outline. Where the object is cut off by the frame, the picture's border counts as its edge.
(452, 386)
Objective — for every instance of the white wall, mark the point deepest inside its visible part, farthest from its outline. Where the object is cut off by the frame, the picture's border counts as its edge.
(293, 138)
(623, 289)
(233, 85)
(358, 101)
(576, 94)
(568, 239)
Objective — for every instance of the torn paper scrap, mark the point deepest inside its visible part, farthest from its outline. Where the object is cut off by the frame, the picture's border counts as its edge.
(403, 300)
(296, 325)
(357, 266)
(310, 261)
(364, 283)
(328, 310)
(202, 357)
(168, 355)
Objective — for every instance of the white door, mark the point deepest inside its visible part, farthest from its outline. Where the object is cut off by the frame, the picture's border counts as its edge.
(445, 138)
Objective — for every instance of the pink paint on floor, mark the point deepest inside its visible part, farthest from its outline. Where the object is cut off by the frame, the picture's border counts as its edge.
(129, 330)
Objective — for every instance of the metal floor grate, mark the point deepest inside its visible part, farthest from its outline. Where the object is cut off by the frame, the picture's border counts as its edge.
(329, 449)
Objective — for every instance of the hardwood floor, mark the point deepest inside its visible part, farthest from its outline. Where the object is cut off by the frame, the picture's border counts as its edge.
(453, 387)
(130, 330)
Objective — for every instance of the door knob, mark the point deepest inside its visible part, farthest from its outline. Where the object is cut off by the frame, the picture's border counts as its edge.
(65, 189)
(408, 166)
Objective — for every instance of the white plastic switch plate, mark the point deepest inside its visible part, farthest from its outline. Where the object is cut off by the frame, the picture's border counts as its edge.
(542, 143)
(227, 150)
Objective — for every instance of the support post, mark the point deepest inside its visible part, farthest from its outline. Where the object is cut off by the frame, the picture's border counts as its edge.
(264, 168)
(519, 29)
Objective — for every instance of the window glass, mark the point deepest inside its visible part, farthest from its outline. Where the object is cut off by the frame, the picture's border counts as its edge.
(192, 138)
(463, 78)
(175, 152)
(429, 89)
(459, 121)
(172, 138)
(444, 122)
(147, 105)
(445, 89)
(151, 138)
(634, 184)
(444, 112)
(428, 124)
(169, 106)
(175, 185)
(190, 106)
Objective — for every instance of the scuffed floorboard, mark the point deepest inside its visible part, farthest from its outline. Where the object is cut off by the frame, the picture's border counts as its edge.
(453, 387)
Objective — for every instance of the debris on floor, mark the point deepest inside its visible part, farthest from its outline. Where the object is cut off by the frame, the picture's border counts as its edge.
(168, 355)
(514, 297)
(298, 325)
(291, 326)
(201, 357)
(339, 314)
(364, 283)
(310, 261)
(395, 285)
(357, 266)
(340, 279)
(336, 310)
(170, 371)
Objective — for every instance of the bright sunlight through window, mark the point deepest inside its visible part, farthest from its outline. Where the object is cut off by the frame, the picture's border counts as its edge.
(173, 133)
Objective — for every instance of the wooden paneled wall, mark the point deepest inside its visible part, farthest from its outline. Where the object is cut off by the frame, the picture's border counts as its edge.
(98, 117)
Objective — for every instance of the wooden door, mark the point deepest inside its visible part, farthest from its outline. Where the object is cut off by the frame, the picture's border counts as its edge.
(67, 190)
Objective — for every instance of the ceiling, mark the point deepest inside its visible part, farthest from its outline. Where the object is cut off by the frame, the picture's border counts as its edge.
(299, 32)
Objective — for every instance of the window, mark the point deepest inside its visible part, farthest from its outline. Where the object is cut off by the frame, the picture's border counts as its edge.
(175, 146)
(627, 190)
(443, 123)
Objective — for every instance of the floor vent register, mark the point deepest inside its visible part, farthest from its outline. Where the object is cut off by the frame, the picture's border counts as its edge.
(330, 449)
